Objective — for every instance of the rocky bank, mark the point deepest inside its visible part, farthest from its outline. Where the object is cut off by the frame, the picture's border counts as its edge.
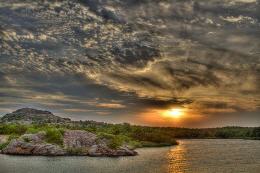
(75, 142)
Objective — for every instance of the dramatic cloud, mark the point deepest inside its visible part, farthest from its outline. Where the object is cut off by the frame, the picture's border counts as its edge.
(115, 60)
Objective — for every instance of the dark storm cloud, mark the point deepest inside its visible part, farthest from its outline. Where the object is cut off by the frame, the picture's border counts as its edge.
(163, 104)
(119, 57)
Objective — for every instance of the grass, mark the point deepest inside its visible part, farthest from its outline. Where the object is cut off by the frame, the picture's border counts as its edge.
(54, 136)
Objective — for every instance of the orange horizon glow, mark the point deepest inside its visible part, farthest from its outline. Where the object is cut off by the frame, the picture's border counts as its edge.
(174, 116)
(174, 113)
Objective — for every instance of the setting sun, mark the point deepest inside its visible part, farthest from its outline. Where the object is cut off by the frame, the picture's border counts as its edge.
(174, 113)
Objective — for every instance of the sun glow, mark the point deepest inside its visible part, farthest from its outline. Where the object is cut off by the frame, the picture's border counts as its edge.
(174, 113)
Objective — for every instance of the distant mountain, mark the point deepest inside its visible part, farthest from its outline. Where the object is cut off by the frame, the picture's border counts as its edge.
(29, 115)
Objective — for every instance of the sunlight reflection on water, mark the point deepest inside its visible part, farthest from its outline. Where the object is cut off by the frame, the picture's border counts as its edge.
(220, 156)
(177, 159)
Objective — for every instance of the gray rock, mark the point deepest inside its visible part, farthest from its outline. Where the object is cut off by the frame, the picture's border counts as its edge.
(49, 150)
(103, 150)
(32, 144)
(79, 139)
(99, 150)
(124, 151)
(34, 138)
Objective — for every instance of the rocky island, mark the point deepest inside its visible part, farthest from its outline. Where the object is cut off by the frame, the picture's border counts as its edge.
(55, 142)
(75, 142)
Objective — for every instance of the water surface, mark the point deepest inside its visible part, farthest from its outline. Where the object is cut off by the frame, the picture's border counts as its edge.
(191, 156)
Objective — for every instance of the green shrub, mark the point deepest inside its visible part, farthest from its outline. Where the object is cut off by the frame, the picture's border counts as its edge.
(62, 131)
(12, 136)
(13, 129)
(32, 130)
(115, 143)
(26, 139)
(54, 136)
(105, 135)
(113, 140)
(92, 129)
(256, 132)
(3, 145)
(134, 144)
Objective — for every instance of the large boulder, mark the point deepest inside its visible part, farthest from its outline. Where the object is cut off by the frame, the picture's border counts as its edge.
(125, 151)
(18, 147)
(103, 150)
(79, 139)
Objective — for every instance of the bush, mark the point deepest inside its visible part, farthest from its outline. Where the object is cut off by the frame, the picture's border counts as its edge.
(32, 130)
(105, 136)
(3, 145)
(26, 140)
(114, 141)
(62, 131)
(54, 136)
(12, 136)
(256, 132)
(13, 129)
(134, 144)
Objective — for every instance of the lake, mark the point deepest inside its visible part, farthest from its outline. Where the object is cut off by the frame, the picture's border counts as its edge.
(191, 156)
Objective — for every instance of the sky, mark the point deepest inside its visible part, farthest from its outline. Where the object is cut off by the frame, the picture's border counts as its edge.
(182, 63)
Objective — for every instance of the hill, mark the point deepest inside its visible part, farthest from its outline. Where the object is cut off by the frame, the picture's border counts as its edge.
(29, 115)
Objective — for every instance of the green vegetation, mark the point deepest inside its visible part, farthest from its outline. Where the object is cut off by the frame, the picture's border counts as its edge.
(12, 129)
(13, 136)
(54, 136)
(256, 133)
(75, 151)
(10, 137)
(3, 145)
(133, 136)
(118, 140)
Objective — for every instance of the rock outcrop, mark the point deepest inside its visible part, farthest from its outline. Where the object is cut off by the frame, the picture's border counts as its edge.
(32, 144)
(75, 142)
(104, 150)
(79, 138)
(18, 147)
